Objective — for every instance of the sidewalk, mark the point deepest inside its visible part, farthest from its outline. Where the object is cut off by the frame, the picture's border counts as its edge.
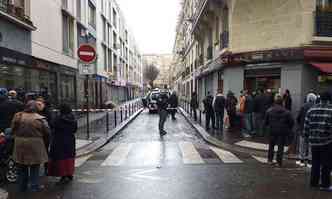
(233, 140)
(3, 194)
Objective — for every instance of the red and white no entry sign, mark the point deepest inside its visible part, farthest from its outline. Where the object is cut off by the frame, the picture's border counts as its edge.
(86, 53)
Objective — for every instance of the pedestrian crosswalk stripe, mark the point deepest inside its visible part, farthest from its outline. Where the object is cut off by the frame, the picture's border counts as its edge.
(255, 145)
(262, 160)
(118, 156)
(189, 153)
(226, 156)
(80, 161)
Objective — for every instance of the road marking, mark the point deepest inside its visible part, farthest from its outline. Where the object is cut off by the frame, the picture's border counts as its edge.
(226, 156)
(80, 161)
(118, 156)
(189, 153)
(262, 160)
(255, 145)
(80, 143)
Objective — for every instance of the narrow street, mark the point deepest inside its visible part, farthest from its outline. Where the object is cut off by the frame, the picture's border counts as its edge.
(139, 164)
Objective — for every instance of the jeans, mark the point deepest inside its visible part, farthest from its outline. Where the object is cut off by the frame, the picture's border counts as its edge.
(24, 176)
(280, 141)
(220, 121)
(259, 123)
(304, 149)
(209, 117)
(321, 165)
(163, 114)
(248, 123)
(194, 111)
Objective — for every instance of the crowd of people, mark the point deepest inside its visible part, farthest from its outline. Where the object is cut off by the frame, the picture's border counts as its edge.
(40, 140)
(263, 113)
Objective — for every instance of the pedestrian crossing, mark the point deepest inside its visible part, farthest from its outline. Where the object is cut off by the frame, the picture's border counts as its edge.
(157, 153)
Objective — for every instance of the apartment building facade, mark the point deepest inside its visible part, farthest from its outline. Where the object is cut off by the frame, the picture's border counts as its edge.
(39, 41)
(164, 63)
(233, 45)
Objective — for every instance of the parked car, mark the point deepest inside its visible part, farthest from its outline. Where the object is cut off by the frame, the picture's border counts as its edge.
(152, 99)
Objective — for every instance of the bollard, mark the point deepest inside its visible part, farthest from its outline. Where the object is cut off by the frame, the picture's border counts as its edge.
(121, 114)
(107, 122)
(126, 110)
(115, 119)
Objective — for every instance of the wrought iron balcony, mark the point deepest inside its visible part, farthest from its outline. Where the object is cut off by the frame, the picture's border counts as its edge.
(224, 40)
(324, 24)
(15, 13)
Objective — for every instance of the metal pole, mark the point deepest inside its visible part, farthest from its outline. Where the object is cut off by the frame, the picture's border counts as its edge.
(107, 122)
(121, 115)
(115, 119)
(87, 106)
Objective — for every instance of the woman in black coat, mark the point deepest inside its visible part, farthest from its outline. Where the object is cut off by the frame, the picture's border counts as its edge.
(62, 152)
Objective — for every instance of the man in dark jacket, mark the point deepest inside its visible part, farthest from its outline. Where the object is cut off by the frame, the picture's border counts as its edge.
(248, 113)
(162, 103)
(8, 108)
(318, 129)
(280, 123)
(173, 102)
(208, 110)
(194, 104)
(219, 103)
(231, 103)
(259, 113)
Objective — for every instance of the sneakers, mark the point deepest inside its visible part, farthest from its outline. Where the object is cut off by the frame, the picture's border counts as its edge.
(326, 189)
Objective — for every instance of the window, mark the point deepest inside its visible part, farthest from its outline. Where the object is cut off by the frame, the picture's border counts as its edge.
(92, 15)
(104, 30)
(64, 4)
(109, 35)
(115, 18)
(324, 5)
(78, 7)
(68, 35)
(110, 61)
(115, 41)
(102, 6)
(105, 58)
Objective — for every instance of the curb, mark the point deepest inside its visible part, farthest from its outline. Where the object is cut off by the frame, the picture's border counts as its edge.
(99, 143)
(3, 194)
(212, 140)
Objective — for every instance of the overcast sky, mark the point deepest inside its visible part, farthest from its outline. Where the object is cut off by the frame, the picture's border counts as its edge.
(153, 23)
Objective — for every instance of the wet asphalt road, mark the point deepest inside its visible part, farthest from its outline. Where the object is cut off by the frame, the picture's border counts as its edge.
(139, 164)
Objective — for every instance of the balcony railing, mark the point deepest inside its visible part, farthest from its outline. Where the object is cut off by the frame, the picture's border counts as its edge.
(224, 40)
(324, 24)
(15, 11)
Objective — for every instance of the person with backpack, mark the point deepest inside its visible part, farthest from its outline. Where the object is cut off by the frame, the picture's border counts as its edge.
(194, 104)
(219, 103)
(231, 103)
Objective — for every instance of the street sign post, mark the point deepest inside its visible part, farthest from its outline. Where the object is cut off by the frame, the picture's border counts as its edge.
(87, 55)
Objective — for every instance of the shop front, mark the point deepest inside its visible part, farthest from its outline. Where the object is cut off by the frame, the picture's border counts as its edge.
(262, 79)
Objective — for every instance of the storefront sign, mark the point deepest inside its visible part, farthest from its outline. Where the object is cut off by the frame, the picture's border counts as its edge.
(276, 55)
(8, 56)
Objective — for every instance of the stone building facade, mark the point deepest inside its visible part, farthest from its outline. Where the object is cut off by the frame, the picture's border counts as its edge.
(258, 44)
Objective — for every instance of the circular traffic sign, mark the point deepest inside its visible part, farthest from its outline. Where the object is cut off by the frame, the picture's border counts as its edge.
(86, 53)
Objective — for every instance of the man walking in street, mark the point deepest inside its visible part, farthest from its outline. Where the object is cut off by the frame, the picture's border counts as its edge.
(194, 104)
(318, 129)
(280, 123)
(209, 112)
(173, 102)
(219, 102)
(162, 103)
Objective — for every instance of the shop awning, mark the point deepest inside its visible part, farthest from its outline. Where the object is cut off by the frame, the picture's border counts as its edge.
(324, 67)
